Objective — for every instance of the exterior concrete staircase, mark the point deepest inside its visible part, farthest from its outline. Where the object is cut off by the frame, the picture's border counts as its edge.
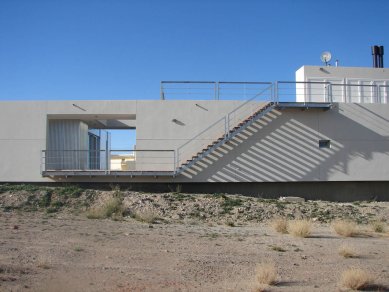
(230, 134)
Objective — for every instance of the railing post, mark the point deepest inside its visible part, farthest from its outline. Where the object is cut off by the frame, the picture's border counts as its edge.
(108, 159)
(162, 95)
(329, 93)
(62, 160)
(228, 125)
(178, 157)
(174, 162)
(377, 95)
(276, 92)
(217, 96)
(225, 126)
(42, 159)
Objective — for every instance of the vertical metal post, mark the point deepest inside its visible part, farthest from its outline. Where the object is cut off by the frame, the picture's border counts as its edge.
(62, 163)
(162, 96)
(228, 125)
(178, 157)
(225, 125)
(331, 95)
(174, 161)
(276, 92)
(377, 94)
(108, 159)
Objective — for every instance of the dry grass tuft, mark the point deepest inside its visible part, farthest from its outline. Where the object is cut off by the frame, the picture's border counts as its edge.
(111, 207)
(355, 279)
(378, 226)
(300, 228)
(280, 225)
(345, 228)
(145, 216)
(266, 274)
(44, 265)
(347, 251)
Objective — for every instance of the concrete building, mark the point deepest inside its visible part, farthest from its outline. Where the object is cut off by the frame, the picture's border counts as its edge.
(329, 127)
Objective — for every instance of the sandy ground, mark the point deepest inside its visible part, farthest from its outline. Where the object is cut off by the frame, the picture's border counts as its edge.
(63, 252)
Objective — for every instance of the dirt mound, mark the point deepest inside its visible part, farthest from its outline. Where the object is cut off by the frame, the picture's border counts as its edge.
(181, 207)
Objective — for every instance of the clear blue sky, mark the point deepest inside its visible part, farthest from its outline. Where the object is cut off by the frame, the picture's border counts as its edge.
(122, 49)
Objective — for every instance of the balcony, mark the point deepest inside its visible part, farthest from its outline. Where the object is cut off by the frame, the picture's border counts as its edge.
(108, 163)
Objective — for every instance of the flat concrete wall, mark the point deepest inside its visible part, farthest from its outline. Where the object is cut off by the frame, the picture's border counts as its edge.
(23, 131)
(172, 124)
(284, 146)
(281, 147)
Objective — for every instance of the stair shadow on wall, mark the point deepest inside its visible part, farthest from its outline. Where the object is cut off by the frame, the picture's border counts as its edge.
(283, 146)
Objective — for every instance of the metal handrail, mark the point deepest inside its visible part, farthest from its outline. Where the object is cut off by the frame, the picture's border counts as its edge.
(196, 136)
(332, 91)
(249, 100)
(215, 90)
(226, 120)
(278, 89)
(68, 159)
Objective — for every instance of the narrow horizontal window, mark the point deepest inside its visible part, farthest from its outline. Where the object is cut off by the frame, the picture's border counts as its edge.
(324, 143)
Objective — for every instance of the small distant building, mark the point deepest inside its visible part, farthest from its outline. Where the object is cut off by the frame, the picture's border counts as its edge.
(122, 162)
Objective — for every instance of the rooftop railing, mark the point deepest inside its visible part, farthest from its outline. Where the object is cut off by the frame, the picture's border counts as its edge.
(282, 91)
(295, 91)
(211, 90)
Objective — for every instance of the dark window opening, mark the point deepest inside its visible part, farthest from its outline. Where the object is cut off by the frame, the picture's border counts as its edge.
(324, 143)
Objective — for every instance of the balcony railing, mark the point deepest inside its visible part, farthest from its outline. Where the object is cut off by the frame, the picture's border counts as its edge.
(304, 92)
(112, 160)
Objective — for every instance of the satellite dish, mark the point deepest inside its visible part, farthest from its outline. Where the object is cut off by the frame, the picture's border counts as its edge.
(325, 57)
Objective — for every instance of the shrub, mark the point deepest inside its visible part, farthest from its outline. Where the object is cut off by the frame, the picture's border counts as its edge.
(300, 228)
(230, 223)
(72, 191)
(345, 228)
(19, 187)
(146, 216)
(347, 251)
(266, 273)
(229, 203)
(378, 226)
(355, 279)
(111, 207)
(280, 225)
(45, 201)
